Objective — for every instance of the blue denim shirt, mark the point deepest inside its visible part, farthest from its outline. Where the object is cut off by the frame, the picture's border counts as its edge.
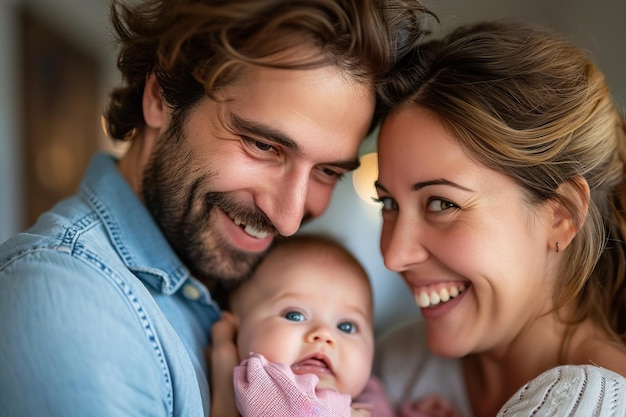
(98, 316)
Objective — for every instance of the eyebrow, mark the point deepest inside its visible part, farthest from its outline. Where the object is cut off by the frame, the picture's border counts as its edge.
(419, 185)
(441, 181)
(264, 131)
(269, 133)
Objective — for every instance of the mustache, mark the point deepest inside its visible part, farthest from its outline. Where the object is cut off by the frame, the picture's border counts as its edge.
(250, 216)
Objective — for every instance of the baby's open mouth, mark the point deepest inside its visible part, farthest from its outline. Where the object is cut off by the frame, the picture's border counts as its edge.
(316, 364)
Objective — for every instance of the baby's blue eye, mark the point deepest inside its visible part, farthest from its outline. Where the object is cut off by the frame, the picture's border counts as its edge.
(294, 316)
(347, 327)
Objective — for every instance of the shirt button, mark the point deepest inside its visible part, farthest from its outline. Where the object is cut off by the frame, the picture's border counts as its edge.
(191, 292)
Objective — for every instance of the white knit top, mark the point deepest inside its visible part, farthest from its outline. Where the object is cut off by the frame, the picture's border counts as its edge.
(409, 371)
(570, 391)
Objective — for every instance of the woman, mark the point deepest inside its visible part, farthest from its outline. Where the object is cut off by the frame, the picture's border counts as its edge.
(503, 198)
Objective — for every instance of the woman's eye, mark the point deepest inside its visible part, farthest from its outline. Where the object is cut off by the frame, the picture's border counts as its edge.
(438, 205)
(388, 203)
(294, 316)
(347, 327)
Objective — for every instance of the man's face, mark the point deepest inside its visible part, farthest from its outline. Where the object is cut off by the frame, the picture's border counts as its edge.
(228, 176)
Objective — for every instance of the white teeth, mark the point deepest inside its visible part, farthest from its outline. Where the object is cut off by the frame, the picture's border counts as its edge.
(424, 299)
(259, 234)
(434, 298)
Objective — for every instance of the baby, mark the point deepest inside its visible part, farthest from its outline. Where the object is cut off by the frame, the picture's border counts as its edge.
(303, 324)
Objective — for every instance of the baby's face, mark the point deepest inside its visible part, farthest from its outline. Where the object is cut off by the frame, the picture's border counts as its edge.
(312, 310)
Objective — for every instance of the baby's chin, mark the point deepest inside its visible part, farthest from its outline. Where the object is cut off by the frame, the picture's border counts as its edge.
(329, 382)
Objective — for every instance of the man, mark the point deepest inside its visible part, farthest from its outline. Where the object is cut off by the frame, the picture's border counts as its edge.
(242, 115)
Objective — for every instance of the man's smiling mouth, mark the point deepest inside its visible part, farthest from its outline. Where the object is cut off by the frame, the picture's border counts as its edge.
(250, 230)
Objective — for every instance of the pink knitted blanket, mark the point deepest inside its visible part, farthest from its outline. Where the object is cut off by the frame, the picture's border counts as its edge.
(265, 389)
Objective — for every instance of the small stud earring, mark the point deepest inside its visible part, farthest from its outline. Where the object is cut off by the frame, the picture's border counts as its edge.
(557, 247)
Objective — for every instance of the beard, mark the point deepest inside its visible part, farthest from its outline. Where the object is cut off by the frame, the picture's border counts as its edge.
(182, 201)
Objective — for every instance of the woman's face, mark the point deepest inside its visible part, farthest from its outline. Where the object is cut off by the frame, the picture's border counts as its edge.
(472, 251)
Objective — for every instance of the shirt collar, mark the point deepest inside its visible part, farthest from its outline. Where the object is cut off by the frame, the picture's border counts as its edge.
(131, 228)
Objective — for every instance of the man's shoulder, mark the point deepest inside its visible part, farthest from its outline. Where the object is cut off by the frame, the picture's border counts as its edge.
(70, 224)
(68, 248)
(76, 326)
(66, 295)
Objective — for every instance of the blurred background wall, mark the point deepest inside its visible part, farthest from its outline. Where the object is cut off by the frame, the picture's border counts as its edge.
(58, 63)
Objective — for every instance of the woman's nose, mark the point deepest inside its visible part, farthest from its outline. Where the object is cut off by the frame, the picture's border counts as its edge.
(401, 246)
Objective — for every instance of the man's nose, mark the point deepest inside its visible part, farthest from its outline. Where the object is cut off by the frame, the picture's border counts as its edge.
(284, 202)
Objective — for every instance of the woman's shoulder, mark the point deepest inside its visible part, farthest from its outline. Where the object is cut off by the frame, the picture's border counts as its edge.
(599, 350)
(570, 390)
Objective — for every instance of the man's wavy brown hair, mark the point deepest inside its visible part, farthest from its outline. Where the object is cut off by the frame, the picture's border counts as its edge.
(196, 47)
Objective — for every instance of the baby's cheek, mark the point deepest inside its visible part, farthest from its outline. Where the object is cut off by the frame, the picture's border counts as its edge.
(245, 337)
(358, 370)
(252, 342)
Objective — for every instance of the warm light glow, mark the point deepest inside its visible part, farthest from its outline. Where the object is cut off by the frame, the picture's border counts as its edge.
(363, 178)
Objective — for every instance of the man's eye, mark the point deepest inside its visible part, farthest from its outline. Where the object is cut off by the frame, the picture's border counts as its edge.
(347, 327)
(263, 146)
(438, 205)
(294, 316)
(328, 175)
(260, 145)
(332, 173)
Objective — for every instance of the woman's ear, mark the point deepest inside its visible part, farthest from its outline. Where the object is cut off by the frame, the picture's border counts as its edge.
(153, 104)
(566, 224)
